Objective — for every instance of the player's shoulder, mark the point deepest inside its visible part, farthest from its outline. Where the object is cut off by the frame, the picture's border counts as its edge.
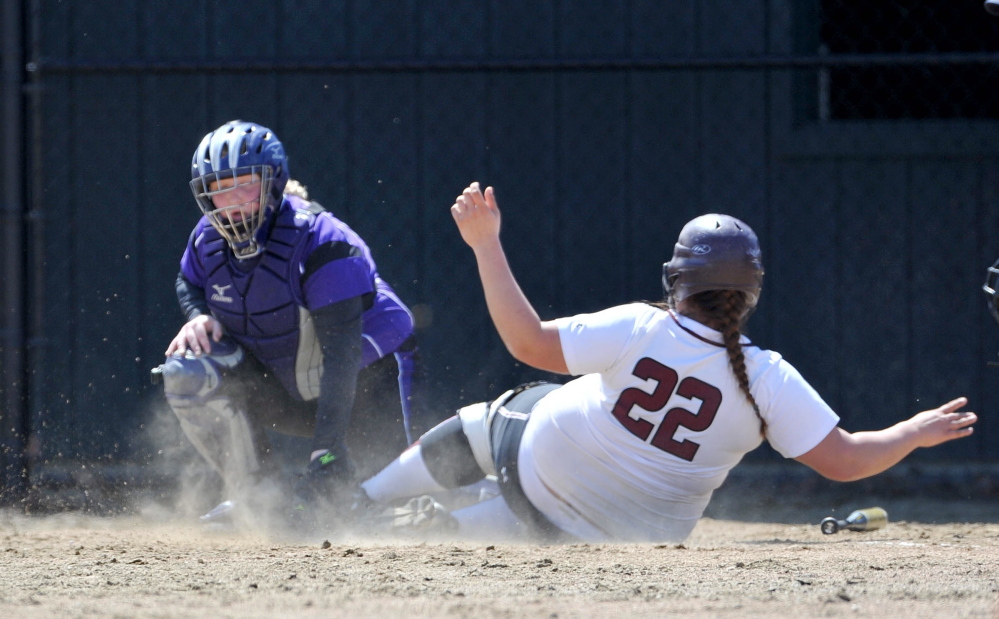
(621, 319)
(302, 219)
(637, 316)
(769, 365)
(204, 233)
(202, 225)
(649, 317)
(763, 356)
(302, 212)
(640, 311)
(643, 317)
(314, 217)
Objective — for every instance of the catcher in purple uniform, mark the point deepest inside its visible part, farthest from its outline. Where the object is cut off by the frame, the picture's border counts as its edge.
(289, 328)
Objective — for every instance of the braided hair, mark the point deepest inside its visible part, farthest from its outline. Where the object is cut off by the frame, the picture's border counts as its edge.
(726, 311)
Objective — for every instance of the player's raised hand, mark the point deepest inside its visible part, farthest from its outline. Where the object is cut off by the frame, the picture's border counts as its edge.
(477, 215)
(196, 335)
(942, 424)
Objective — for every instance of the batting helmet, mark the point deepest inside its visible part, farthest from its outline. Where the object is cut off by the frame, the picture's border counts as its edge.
(714, 252)
(239, 150)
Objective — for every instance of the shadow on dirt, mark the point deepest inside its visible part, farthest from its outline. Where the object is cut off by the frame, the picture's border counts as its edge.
(792, 494)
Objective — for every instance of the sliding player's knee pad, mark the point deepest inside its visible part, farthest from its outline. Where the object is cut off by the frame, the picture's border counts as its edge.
(446, 452)
(459, 451)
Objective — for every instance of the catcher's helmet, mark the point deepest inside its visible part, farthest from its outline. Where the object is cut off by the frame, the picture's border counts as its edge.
(991, 286)
(239, 149)
(714, 252)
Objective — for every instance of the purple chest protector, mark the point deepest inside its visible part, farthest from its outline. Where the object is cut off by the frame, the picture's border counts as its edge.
(260, 303)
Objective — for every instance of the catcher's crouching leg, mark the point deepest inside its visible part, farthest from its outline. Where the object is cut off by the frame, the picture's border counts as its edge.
(215, 425)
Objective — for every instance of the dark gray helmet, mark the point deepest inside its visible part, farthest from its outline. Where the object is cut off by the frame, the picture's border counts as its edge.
(714, 252)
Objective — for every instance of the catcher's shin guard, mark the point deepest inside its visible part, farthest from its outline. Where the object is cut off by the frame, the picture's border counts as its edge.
(218, 429)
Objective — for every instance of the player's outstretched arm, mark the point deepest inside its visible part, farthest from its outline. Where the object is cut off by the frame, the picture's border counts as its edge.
(528, 339)
(842, 456)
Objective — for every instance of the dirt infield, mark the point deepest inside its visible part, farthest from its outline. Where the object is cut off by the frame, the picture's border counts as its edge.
(941, 559)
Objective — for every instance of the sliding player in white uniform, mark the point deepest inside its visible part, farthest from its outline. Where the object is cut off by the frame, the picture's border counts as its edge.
(671, 397)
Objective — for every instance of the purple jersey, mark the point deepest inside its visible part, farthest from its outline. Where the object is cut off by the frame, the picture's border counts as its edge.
(311, 260)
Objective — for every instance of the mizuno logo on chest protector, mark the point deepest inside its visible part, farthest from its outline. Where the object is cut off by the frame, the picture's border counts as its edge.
(220, 295)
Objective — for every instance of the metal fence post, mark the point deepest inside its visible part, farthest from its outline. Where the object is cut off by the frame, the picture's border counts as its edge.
(13, 384)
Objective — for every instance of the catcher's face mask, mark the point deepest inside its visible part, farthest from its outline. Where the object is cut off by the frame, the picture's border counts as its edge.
(232, 200)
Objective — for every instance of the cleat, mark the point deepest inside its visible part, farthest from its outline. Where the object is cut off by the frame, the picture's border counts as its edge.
(422, 515)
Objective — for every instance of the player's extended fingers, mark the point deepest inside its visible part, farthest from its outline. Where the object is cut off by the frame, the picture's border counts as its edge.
(955, 426)
(462, 205)
(474, 204)
(197, 339)
(490, 196)
(205, 337)
(953, 405)
(215, 330)
(475, 192)
(962, 420)
(192, 343)
(176, 347)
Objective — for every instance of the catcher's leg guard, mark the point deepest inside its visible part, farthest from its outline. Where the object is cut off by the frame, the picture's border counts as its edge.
(214, 424)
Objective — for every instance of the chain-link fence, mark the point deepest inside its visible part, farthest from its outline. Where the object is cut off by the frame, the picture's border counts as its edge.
(923, 86)
(859, 140)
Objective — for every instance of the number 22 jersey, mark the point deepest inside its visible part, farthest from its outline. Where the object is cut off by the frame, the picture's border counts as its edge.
(634, 447)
